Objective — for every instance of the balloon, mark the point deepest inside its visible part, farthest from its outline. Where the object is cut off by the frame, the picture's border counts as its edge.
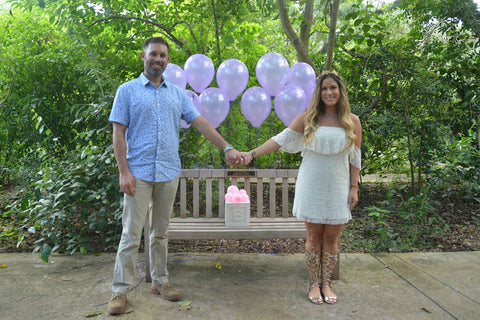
(303, 75)
(214, 105)
(175, 75)
(195, 99)
(272, 72)
(289, 103)
(184, 124)
(199, 71)
(256, 105)
(232, 77)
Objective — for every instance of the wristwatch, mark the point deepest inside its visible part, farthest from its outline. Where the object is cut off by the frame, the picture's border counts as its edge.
(228, 148)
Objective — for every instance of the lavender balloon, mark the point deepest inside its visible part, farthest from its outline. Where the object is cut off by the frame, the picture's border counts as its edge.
(195, 99)
(199, 71)
(232, 77)
(302, 74)
(272, 72)
(256, 105)
(214, 105)
(289, 103)
(196, 103)
(175, 75)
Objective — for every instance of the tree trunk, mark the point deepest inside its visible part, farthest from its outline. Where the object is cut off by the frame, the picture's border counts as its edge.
(331, 35)
(300, 43)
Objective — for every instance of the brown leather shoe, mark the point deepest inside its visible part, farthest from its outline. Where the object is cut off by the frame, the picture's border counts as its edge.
(116, 305)
(167, 292)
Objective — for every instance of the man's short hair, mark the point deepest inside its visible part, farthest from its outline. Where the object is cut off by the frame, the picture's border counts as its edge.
(155, 40)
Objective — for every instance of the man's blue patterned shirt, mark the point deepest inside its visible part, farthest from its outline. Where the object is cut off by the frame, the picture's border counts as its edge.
(153, 119)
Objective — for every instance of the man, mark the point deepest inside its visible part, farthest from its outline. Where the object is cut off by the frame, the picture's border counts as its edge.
(146, 117)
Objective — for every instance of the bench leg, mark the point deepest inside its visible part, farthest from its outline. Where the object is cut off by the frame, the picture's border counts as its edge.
(146, 239)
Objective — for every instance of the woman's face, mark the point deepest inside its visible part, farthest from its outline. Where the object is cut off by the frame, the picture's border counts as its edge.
(330, 92)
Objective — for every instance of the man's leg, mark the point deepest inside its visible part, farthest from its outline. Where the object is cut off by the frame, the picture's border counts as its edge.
(163, 198)
(133, 220)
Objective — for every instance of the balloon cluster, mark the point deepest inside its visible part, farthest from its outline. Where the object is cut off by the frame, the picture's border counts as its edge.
(292, 87)
(235, 195)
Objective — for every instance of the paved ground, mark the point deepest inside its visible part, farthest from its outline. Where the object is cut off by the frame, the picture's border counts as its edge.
(248, 286)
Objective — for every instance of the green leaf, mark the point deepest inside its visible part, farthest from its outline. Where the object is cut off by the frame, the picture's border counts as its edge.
(46, 250)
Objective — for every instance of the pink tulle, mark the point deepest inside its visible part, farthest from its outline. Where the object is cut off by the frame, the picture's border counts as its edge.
(235, 195)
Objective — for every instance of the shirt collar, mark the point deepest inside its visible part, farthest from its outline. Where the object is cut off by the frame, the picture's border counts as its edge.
(146, 81)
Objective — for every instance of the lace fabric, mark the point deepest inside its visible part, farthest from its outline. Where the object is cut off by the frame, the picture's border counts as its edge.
(355, 157)
(290, 140)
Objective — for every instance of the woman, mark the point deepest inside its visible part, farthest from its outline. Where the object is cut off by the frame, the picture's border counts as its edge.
(329, 136)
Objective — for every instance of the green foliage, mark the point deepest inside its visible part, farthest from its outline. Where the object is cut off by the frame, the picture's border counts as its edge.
(403, 213)
(412, 77)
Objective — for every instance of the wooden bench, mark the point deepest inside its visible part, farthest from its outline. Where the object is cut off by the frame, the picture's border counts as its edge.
(270, 220)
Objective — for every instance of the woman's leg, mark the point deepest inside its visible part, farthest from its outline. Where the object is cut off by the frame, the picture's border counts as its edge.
(313, 249)
(329, 259)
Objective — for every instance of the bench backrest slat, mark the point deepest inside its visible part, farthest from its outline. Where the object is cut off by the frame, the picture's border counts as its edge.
(210, 178)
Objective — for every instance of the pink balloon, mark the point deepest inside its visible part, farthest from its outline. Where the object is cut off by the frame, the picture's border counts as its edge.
(272, 72)
(232, 77)
(175, 75)
(199, 71)
(232, 189)
(289, 103)
(214, 105)
(256, 105)
(302, 74)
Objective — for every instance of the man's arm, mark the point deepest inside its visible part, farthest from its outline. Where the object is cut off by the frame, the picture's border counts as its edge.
(208, 131)
(126, 180)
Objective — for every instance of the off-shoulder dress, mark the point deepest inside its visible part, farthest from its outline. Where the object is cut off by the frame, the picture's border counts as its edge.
(323, 183)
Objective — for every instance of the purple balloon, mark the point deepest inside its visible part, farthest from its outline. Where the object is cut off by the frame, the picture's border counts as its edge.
(214, 105)
(195, 99)
(289, 103)
(196, 103)
(232, 77)
(184, 124)
(199, 71)
(272, 72)
(302, 74)
(256, 105)
(175, 75)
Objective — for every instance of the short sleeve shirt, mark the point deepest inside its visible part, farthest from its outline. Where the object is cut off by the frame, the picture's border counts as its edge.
(152, 116)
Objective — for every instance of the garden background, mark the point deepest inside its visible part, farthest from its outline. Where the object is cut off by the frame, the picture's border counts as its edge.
(411, 66)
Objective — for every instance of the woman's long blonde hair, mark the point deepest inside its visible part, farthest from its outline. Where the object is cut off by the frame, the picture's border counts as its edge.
(316, 109)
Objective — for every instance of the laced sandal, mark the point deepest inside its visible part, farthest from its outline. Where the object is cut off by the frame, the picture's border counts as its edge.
(312, 259)
(315, 299)
(328, 266)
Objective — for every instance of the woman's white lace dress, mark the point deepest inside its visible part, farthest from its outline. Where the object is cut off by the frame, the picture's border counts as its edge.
(323, 183)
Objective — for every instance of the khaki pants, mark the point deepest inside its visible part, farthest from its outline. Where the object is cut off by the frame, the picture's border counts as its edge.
(162, 196)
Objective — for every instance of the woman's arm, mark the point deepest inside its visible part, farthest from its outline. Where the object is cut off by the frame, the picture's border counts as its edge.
(271, 145)
(354, 171)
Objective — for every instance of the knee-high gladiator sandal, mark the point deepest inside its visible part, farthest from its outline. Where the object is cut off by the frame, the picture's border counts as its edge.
(312, 259)
(328, 266)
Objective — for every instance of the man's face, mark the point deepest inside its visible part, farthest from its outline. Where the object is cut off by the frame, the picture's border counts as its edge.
(155, 59)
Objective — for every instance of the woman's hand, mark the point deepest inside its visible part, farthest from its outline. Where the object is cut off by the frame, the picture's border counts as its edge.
(353, 197)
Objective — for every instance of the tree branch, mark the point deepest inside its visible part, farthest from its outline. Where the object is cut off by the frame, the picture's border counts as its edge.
(164, 29)
(9, 87)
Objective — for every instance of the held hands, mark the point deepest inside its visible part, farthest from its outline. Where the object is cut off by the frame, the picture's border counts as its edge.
(236, 158)
(247, 157)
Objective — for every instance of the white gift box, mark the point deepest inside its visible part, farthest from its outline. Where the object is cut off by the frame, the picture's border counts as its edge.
(237, 214)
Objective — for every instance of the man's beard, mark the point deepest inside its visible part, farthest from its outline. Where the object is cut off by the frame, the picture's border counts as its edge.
(154, 72)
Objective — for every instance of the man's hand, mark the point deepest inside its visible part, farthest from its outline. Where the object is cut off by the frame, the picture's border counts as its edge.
(234, 158)
(127, 184)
